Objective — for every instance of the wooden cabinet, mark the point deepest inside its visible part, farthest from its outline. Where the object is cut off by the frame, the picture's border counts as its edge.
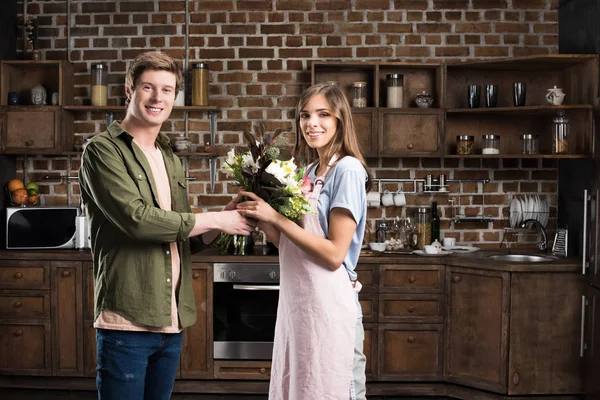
(197, 354)
(35, 129)
(391, 132)
(67, 318)
(89, 332)
(502, 327)
(577, 75)
(25, 325)
(411, 322)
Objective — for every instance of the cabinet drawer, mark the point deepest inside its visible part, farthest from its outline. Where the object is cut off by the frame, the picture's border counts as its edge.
(411, 279)
(24, 275)
(25, 348)
(411, 308)
(367, 275)
(24, 304)
(368, 304)
(410, 352)
(252, 370)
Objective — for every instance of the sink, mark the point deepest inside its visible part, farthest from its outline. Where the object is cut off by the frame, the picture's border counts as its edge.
(522, 258)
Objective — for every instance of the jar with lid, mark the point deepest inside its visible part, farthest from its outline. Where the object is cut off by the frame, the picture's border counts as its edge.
(529, 144)
(423, 227)
(464, 144)
(491, 144)
(99, 83)
(359, 94)
(200, 84)
(394, 90)
(560, 131)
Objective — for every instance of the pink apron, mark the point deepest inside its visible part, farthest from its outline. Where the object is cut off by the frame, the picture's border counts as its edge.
(316, 323)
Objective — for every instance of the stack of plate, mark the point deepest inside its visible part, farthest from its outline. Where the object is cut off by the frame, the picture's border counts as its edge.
(529, 207)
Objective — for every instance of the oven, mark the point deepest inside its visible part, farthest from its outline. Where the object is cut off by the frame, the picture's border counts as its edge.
(245, 300)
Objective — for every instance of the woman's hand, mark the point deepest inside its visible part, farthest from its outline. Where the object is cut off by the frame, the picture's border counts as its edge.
(257, 208)
(233, 203)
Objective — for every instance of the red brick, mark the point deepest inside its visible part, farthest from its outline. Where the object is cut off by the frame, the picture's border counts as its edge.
(293, 41)
(316, 17)
(550, 40)
(254, 41)
(216, 41)
(453, 40)
(413, 51)
(290, 5)
(275, 41)
(243, 77)
(239, 29)
(217, 53)
(274, 65)
(451, 4)
(477, 4)
(375, 52)
(254, 5)
(333, 5)
(254, 90)
(371, 40)
(529, 4)
(375, 16)
(355, 28)
(545, 28)
(512, 28)
(414, 16)
(413, 39)
(433, 39)
(313, 29)
(203, 30)
(279, 77)
(337, 40)
(371, 4)
(272, 29)
(453, 15)
(411, 4)
(295, 53)
(217, 5)
(334, 53)
(433, 16)
(394, 28)
(315, 40)
(472, 39)
(434, 28)
(530, 51)
(492, 39)
(448, 51)
(256, 17)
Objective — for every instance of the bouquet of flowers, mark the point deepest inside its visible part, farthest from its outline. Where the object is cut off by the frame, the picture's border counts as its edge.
(267, 169)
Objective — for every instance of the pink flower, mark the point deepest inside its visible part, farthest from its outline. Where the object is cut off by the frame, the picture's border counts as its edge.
(305, 185)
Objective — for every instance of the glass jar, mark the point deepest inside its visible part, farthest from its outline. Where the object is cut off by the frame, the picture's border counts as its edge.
(423, 227)
(529, 144)
(464, 144)
(491, 144)
(359, 94)
(560, 130)
(394, 90)
(200, 84)
(99, 82)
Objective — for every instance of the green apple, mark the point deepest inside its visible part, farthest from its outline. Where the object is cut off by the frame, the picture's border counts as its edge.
(32, 186)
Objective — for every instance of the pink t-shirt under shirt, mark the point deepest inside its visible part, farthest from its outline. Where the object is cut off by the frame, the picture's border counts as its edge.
(110, 320)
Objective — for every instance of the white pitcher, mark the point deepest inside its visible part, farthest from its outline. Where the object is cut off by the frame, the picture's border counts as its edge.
(555, 96)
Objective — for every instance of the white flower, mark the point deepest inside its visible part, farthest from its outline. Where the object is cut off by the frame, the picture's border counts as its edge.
(248, 161)
(284, 171)
(229, 163)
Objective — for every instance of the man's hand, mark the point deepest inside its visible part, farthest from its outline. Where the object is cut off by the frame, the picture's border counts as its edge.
(233, 223)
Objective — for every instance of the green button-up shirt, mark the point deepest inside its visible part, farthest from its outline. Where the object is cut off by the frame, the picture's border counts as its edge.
(130, 233)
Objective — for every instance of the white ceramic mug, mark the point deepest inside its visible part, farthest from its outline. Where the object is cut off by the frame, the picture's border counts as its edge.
(399, 199)
(449, 242)
(373, 199)
(387, 199)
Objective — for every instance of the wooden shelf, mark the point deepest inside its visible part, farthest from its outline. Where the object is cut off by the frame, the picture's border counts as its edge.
(545, 109)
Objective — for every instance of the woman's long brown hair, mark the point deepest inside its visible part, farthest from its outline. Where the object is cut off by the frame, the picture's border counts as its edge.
(345, 141)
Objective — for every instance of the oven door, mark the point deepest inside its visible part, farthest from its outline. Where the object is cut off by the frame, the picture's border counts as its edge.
(244, 319)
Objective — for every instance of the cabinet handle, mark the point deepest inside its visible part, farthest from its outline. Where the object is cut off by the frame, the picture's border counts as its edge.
(29, 143)
(17, 304)
(263, 370)
(411, 308)
(516, 378)
(409, 146)
(18, 275)
(410, 339)
(66, 273)
(412, 279)
(582, 337)
(196, 275)
(456, 278)
(19, 332)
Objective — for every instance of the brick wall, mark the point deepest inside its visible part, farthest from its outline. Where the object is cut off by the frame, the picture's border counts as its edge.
(259, 52)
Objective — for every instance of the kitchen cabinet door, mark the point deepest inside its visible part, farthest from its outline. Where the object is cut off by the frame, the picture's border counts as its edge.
(370, 350)
(408, 132)
(591, 345)
(34, 130)
(67, 318)
(477, 328)
(365, 123)
(197, 352)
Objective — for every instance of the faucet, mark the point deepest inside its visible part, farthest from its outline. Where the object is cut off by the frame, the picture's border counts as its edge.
(543, 245)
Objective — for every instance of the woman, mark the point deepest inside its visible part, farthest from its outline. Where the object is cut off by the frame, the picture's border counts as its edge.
(318, 336)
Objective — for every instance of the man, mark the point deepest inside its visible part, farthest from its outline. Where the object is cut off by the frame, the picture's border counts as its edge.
(134, 189)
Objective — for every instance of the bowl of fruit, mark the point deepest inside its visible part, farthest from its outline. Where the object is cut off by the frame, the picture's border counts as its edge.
(21, 194)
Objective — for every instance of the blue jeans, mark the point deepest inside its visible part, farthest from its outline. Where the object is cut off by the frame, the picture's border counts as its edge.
(136, 365)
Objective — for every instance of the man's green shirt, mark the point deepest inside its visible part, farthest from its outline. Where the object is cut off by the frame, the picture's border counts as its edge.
(130, 233)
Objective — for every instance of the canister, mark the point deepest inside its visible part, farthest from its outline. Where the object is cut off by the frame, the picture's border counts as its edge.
(529, 144)
(490, 144)
(200, 84)
(99, 83)
(560, 131)
(464, 144)
(359, 94)
(394, 90)
(423, 227)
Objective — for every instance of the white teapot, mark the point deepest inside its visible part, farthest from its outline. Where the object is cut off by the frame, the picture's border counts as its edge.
(555, 96)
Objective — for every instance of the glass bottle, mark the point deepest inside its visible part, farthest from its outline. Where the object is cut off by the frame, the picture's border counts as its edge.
(394, 90)
(359, 94)
(435, 222)
(560, 130)
(99, 80)
(200, 84)
(464, 144)
(529, 144)
(423, 227)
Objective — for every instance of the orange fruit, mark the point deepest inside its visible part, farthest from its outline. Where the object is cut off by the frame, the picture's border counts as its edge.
(33, 199)
(20, 196)
(15, 184)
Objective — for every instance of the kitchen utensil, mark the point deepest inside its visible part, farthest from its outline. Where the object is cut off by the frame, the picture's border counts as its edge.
(519, 93)
(473, 96)
(491, 95)
(560, 245)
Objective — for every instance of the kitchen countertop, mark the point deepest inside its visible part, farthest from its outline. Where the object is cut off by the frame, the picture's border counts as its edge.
(479, 259)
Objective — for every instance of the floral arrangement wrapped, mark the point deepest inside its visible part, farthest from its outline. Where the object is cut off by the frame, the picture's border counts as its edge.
(267, 169)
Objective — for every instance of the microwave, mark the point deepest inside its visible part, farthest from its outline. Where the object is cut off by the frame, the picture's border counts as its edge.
(41, 227)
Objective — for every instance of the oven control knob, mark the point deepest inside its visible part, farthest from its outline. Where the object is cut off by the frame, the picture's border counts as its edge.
(232, 275)
(272, 275)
